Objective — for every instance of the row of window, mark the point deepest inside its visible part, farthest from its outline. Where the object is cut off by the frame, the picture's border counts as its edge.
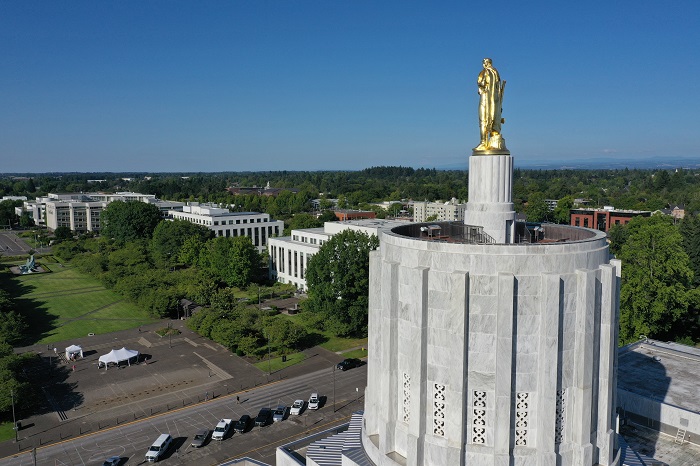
(294, 265)
(305, 239)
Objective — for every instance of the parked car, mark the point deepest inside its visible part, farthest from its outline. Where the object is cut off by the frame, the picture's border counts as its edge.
(297, 407)
(263, 417)
(200, 438)
(314, 401)
(221, 429)
(112, 461)
(159, 447)
(279, 414)
(242, 424)
(349, 363)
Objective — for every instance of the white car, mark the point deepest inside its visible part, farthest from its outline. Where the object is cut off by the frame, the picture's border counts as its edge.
(221, 429)
(314, 401)
(297, 407)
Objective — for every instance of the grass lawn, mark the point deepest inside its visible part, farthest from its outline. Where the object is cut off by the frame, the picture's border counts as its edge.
(358, 353)
(276, 364)
(6, 432)
(329, 341)
(65, 304)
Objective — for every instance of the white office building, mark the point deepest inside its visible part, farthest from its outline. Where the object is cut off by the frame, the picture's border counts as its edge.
(450, 211)
(257, 226)
(289, 255)
(81, 211)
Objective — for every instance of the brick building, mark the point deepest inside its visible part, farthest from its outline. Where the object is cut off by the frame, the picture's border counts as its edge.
(603, 219)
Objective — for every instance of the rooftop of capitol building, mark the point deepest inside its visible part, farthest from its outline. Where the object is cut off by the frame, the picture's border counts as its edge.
(525, 233)
(666, 372)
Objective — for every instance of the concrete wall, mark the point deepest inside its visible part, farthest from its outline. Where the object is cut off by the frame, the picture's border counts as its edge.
(659, 416)
(491, 354)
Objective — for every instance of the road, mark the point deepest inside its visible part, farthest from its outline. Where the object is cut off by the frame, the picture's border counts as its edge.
(131, 440)
(11, 244)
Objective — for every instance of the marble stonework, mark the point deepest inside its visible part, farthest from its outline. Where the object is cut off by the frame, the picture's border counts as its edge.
(472, 348)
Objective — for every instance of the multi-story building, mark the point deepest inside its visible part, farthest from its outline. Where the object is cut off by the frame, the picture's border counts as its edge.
(81, 211)
(603, 219)
(257, 226)
(351, 214)
(78, 215)
(448, 211)
(289, 255)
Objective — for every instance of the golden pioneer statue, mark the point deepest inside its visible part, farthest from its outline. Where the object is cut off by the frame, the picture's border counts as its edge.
(490, 106)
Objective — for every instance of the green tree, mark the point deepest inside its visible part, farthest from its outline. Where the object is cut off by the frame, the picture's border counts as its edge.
(62, 233)
(618, 235)
(301, 221)
(285, 335)
(327, 216)
(690, 229)
(234, 261)
(338, 281)
(537, 209)
(655, 295)
(128, 221)
(169, 238)
(562, 212)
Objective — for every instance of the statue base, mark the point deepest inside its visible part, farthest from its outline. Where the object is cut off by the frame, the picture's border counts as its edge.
(491, 152)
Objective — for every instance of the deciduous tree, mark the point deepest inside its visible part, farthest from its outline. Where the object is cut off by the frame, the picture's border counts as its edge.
(338, 281)
(655, 294)
(127, 221)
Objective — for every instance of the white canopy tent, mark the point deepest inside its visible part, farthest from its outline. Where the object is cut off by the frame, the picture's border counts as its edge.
(117, 356)
(74, 350)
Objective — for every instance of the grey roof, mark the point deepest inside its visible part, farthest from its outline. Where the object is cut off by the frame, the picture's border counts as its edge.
(665, 372)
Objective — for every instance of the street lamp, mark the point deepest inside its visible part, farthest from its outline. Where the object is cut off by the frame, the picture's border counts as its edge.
(14, 420)
(334, 388)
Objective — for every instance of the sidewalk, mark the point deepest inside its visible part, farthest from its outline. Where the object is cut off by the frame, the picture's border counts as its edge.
(89, 399)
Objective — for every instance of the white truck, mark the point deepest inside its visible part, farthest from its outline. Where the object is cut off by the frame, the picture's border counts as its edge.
(221, 429)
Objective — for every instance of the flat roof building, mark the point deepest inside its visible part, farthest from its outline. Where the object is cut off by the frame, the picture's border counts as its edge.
(603, 219)
(289, 255)
(81, 211)
(450, 211)
(257, 226)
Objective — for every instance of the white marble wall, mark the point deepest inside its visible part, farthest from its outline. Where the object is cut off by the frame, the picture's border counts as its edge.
(471, 337)
(490, 196)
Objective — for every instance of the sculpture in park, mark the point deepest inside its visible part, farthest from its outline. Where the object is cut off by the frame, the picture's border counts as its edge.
(490, 89)
(29, 266)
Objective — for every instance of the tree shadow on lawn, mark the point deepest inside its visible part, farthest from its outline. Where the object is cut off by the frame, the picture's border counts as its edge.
(39, 322)
(51, 388)
(313, 339)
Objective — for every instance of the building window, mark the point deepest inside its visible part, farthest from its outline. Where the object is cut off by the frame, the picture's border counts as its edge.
(560, 416)
(479, 417)
(585, 223)
(406, 397)
(439, 409)
(521, 418)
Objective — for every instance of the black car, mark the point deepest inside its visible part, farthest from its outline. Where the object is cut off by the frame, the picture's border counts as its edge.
(242, 424)
(348, 364)
(263, 417)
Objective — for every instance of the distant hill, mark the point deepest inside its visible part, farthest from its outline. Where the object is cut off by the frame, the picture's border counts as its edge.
(610, 163)
(602, 163)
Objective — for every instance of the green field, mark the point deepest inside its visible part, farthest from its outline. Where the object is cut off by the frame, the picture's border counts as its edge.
(328, 340)
(6, 431)
(65, 304)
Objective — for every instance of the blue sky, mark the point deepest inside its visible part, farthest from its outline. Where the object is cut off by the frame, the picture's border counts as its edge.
(314, 85)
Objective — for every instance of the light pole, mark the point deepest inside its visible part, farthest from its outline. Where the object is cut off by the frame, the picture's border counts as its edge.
(14, 420)
(170, 334)
(334, 388)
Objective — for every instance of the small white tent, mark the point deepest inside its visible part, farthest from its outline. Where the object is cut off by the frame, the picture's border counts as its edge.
(73, 351)
(117, 356)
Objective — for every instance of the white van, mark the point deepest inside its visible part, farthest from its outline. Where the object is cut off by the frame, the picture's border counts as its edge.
(159, 447)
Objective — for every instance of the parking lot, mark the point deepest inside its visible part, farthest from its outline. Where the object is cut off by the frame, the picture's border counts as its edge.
(177, 388)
